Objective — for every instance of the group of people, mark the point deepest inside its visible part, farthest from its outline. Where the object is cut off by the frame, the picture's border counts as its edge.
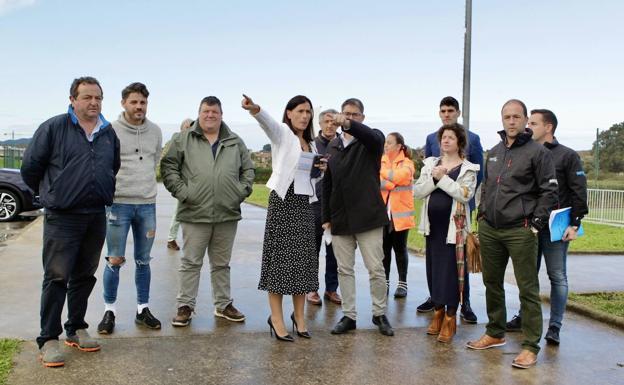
(354, 188)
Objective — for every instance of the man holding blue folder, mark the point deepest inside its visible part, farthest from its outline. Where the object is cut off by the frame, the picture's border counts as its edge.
(573, 194)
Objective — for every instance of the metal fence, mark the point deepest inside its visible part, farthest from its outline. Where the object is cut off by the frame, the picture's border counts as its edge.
(11, 157)
(605, 206)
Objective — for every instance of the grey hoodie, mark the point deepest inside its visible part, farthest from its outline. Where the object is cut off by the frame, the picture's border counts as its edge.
(141, 147)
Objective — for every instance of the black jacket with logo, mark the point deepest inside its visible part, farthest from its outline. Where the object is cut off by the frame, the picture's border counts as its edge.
(520, 185)
(571, 180)
(71, 174)
(351, 196)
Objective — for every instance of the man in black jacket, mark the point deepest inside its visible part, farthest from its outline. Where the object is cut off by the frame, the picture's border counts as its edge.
(354, 211)
(572, 193)
(518, 192)
(71, 164)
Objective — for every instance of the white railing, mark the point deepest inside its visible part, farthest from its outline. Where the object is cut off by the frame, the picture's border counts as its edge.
(605, 206)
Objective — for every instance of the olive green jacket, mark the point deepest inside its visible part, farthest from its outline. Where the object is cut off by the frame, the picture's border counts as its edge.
(210, 188)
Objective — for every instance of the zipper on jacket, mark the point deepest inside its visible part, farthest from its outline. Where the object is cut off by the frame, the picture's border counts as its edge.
(498, 182)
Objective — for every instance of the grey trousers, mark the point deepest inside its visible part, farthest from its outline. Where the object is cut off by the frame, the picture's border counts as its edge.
(218, 239)
(371, 247)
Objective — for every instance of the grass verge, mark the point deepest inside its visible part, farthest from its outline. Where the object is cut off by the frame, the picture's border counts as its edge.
(610, 303)
(8, 348)
(259, 196)
(597, 239)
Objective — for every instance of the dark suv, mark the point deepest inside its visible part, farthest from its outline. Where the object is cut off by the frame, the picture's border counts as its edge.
(15, 196)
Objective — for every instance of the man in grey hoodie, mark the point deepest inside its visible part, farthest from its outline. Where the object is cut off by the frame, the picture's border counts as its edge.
(134, 206)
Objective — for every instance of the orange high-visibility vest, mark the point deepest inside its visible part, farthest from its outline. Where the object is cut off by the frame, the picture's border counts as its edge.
(397, 178)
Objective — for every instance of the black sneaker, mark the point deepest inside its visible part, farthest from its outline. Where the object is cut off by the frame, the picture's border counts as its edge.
(426, 306)
(515, 325)
(552, 336)
(467, 314)
(146, 319)
(108, 323)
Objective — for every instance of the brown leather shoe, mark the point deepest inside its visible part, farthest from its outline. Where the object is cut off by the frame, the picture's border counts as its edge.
(314, 298)
(173, 245)
(449, 328)
(524, 360)
(485, 342)
(333, 296)
(436, 322)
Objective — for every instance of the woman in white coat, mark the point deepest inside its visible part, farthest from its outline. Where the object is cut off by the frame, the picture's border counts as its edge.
(289, 259)
(444, 183)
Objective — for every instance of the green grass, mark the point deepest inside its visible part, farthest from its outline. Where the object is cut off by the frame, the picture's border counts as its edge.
(259, 195)
(597, 239)
(611, 303)
(8, 348)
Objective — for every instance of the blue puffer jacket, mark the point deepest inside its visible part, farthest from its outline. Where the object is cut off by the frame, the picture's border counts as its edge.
(71, 174)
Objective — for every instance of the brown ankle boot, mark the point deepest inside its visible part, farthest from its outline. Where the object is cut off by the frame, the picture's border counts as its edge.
(436, 322)
(449, 327)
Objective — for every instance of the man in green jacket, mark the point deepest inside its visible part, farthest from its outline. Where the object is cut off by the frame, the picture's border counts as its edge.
(209, 170)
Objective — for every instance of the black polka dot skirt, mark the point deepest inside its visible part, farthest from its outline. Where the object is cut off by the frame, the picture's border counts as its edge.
(289, 258)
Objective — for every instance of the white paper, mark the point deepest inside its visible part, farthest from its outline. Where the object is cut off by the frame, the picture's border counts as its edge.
(303, 183)
(327, 236)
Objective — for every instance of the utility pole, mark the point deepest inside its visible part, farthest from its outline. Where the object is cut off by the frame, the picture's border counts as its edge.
(597, 157)
(467, 58)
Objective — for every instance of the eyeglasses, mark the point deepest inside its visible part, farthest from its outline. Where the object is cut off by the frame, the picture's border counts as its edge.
(352, 114)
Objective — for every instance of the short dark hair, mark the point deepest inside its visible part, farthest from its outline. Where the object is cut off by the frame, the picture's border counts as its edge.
(400, 140)
(353, 102)
(308, 134)
(548, 117)
(211, 101)
(450, 102)
(73, 90)
(137, 87)
(520, 102)
(460, 133)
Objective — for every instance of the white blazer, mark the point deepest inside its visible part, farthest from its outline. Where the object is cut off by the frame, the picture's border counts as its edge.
(285, 153)
(461, 190)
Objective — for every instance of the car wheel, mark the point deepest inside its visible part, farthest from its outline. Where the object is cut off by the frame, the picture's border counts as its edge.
(9, 205)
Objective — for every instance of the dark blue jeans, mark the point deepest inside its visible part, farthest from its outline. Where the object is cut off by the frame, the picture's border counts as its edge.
(72, 244)
(331, 266)
(555, 254)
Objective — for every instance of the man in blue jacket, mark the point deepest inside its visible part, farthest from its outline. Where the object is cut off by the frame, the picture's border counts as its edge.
(71, 164)
(449, 114)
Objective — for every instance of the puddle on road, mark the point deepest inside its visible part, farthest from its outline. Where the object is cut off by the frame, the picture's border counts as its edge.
(12, 229)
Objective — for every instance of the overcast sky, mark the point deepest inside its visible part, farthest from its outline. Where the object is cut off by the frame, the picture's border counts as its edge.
(399, 57)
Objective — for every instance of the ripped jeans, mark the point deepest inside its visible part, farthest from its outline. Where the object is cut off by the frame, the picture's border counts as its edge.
(120, 218)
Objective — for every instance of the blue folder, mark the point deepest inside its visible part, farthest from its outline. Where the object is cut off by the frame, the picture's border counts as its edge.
(558, 223)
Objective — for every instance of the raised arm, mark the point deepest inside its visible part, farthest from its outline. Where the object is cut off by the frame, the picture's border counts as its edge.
(273, 129)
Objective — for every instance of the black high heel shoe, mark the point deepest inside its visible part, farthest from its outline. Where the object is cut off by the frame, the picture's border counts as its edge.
(305, 334)
(287, 337)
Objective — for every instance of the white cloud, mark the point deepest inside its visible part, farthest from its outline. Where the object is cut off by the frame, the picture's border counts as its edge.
(7, 6)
